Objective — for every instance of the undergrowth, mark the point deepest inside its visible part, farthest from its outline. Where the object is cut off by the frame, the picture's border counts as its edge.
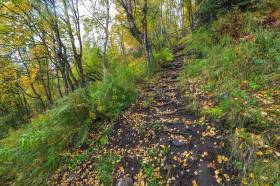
(233, 75)
(30, 155)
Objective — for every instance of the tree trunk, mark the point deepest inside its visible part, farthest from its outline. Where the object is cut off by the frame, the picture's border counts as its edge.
(191, 19)
(47, 91)
(77, 57)
(182, 17)
(106, 30)
(161, 20)
(146, 42)
(58, 83)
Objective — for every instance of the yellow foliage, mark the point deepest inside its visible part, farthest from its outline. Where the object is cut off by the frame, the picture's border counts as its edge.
(39, 51)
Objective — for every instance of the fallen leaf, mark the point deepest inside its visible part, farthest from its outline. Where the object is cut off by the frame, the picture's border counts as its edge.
(194, 183)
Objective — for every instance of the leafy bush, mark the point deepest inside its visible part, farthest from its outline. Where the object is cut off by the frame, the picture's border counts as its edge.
(114, 93)
(164, 55)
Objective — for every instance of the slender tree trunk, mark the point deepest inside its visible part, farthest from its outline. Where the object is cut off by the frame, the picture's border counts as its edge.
(142, 38)
(65, 82)
(161, 19)
(68, 77)
(190, 14)
(168, 22)
(77, 57)
(122, 46)
(59, 47)
(58, 83)
(79, 37)
(48, 81)
(41, 78)
(106, 30)
(147, 44)
(182, 17)
(38, 96)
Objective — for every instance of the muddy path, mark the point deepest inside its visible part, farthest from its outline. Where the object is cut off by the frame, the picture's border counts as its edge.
(157, 133)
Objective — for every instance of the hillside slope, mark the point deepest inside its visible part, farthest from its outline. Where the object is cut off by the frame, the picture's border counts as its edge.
(233, 76)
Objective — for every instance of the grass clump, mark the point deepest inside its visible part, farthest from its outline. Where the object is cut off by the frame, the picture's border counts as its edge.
(148, 102)
(150, 173)
(105, 167)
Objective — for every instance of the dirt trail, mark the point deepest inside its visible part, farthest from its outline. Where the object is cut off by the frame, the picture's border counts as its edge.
(157, 130)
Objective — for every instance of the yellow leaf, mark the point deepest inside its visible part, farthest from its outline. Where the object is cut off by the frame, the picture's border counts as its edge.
(251, 175)
(227, 177)
(194, 183)
(205, 154)
(245, 182)
(259, 153)
(217, 172)
(225, 158)
(219, 159)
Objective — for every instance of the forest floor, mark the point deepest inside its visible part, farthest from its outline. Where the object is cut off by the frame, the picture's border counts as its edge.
(157, 142)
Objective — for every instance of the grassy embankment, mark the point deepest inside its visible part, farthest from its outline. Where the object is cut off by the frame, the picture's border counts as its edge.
(233, 76)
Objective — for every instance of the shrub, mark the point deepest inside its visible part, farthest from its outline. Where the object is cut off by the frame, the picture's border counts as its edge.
(114, 93)
(164, 55)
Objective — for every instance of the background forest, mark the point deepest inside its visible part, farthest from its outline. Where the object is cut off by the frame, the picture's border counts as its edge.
(69, 68)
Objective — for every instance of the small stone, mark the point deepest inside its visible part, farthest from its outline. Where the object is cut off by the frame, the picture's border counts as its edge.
(126, 181)
(177, 143)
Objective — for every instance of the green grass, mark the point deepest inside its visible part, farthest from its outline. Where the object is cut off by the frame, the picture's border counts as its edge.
(148, 102)
(149, 172)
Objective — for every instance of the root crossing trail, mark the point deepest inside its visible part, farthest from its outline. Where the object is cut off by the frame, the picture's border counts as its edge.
(161, 143)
